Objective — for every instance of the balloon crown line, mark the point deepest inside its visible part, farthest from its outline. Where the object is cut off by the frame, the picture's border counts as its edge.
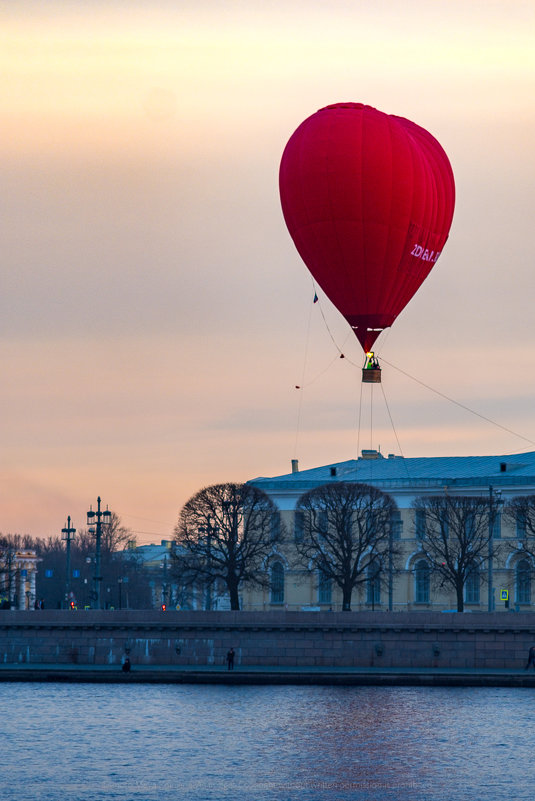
(347, 105)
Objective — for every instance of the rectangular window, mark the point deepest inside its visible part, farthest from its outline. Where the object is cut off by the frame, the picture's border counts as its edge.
(275, 526)
(397, 525)
(322, 522)
(277, 583)
(520, 525)
(469, 526)
(420, 524)
(299, 526)
(523, 582)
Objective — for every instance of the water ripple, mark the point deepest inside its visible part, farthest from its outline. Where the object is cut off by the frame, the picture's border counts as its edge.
(147, 743)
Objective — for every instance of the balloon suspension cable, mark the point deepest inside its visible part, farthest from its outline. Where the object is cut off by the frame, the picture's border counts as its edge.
(460, 405)
(304, 383)
(359, 420)
(413, 378)
(340, 353)
(371, 418)
(303, 373)
(395, 433)
(335, 343)
(431, 389)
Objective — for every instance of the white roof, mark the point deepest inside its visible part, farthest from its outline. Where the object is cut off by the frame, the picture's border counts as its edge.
(509, 470)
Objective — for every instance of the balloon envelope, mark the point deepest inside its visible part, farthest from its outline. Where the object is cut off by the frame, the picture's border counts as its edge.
(368, 200)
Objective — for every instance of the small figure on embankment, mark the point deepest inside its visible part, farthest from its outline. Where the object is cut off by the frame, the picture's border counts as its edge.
(531, 658)
(126, 665)
(230, 659)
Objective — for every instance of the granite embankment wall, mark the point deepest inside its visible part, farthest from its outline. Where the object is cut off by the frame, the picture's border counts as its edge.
(338, 639)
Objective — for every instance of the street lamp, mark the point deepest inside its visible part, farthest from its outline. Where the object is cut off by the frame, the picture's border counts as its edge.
(495, 502)
(394, 532)
(163, 594)
(95, 521)
(67, 535)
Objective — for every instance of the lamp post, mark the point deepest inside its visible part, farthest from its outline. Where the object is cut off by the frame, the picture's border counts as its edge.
(95, 521)
(67, 535)
(494, 503)
(394, 531)
(163, 567)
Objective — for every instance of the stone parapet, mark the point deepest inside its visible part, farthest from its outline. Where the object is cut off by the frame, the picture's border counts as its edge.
(280, 639)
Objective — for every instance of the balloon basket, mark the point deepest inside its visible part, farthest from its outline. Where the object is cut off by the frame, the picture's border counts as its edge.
(371, 376)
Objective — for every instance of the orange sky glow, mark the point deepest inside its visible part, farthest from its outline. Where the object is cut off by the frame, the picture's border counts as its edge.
(154, 310)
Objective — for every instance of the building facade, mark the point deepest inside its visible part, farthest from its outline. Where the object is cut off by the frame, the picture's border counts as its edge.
(502, 580)
(18, 570)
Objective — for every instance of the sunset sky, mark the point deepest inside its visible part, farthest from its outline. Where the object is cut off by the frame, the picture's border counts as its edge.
(156, 316)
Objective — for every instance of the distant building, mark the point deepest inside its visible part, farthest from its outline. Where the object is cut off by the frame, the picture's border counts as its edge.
(404, 479)
(166, 587)
(18, 570)
(156, 559)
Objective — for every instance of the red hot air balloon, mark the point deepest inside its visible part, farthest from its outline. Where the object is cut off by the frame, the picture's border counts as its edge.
(368, 200)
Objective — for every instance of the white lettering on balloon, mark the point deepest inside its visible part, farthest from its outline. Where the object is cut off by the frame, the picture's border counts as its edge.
(424, 254)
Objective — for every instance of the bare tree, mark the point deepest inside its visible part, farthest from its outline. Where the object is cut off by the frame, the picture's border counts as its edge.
(520, 512)
(223, 535)
(347, 534)
(455, 535)
(114, 537)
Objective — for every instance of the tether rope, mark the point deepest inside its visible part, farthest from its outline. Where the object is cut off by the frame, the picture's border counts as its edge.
(300, 387)
(460, 405)
(395, 432)
(407, 375)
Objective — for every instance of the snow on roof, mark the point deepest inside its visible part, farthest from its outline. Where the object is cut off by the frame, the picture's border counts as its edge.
(373, 467)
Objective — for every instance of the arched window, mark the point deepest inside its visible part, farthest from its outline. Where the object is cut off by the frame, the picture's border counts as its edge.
(471, 587)
(421, 582)
(373, 583)
(523, 582)
(277, 583)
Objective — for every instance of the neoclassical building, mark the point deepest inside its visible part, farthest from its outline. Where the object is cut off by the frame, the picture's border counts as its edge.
(18, 569)
(411, 585)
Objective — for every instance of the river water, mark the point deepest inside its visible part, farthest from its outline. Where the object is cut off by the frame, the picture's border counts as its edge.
(84, 742)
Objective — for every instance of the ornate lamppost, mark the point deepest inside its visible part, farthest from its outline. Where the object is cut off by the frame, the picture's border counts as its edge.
(67, 534)
(95, 521)
(495, 504)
